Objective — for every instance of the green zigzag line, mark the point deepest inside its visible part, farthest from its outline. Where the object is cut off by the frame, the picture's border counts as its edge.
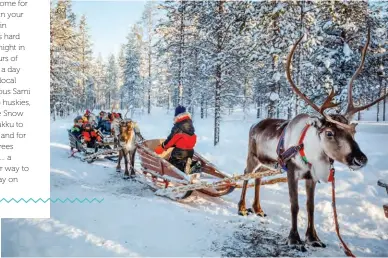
(52, 200)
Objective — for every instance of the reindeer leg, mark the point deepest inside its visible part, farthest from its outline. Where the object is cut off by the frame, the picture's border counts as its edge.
(126, 173)
(242, 210)
(256, 203)
(293, 237)
(132, 157)
(311, 235)
(118, 167)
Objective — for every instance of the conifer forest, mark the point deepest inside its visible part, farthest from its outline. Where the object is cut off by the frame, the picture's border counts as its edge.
(215, 57)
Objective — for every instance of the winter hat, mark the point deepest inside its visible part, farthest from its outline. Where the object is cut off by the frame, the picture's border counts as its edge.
(179, 110)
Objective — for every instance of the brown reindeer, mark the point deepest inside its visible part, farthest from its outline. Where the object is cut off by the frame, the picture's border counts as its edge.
(128, 131)
(306, 147)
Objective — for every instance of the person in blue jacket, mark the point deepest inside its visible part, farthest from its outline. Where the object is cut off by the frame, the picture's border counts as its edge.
(103, 123)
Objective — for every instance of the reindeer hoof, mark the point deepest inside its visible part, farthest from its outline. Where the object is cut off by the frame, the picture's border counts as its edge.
(245, 212)
(118, 170)
(299, 246)
(294, 239)
(260, 213)
(316, 243)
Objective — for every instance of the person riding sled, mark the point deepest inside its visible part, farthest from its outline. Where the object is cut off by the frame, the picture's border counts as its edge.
(90, 117)
(76, 130)
(182, 138)
(90, 136)
(103, 123)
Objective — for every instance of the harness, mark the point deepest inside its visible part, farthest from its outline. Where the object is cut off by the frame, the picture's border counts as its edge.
(285, 155)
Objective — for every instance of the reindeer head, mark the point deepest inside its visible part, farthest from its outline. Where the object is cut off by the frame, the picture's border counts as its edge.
(126, 130)
(336, 132)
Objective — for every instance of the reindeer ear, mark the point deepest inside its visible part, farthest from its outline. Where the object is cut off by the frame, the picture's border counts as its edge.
(315, 122)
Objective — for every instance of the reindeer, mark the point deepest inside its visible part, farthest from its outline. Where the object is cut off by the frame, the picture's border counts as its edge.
(306, 147)
(127, 134)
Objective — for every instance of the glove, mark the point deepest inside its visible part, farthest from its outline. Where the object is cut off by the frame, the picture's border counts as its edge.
(159, 149)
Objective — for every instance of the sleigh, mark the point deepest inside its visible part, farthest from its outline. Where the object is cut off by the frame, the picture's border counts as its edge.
(171, 182)
(104, 149)
(160, 174)
(385, 185)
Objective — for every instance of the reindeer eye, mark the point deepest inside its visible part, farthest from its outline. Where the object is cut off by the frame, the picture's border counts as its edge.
(329, 134)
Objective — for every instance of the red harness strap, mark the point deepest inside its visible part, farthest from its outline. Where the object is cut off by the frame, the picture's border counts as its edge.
(303, 155)
(301, 139)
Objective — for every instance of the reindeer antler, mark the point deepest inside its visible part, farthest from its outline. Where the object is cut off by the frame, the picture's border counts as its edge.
(351, 110)
(326, 104)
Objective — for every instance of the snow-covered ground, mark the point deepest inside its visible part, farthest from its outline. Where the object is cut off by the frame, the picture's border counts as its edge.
(132, 221)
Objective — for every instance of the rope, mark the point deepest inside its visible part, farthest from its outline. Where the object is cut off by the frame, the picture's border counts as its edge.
(224, 182)
(345, 247)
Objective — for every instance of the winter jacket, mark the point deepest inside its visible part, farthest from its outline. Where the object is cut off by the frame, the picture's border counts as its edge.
(76, 130)
(91, 135)
(103, 124)
(182, 137)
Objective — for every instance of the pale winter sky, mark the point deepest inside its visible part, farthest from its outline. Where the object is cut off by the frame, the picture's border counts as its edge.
(109, 22)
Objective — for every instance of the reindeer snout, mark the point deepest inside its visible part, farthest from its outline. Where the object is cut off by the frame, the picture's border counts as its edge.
(358, 161)
(361, 160)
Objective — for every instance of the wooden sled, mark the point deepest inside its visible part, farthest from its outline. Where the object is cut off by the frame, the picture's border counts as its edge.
(104, 149)
(160, 174)
(385, 185)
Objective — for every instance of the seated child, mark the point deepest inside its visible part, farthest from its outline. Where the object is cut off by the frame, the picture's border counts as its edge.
(76, 130)
(90, 136)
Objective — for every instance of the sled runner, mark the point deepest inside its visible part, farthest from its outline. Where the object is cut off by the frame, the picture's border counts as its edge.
(160, 174)
(385, 185)
(105, 149)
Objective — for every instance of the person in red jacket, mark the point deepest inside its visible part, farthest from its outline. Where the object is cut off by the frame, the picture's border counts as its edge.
(182, 138)
(90, 136)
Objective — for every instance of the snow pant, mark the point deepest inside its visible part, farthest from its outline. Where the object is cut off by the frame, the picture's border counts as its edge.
(179, 158)
(91, 143)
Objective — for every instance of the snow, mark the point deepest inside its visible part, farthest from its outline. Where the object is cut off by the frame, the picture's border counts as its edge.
(276, 76)
(327, 63)
(347, 51)
(132, 221)
(273, 96)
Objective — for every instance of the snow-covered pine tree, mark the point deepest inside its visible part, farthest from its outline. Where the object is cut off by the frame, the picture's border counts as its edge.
(121, 63)
(112, 82)
(99, 79)
(131, 89)
(84, 58)
(149, 23)
(341, 32)
(171, 30)
(63, 50)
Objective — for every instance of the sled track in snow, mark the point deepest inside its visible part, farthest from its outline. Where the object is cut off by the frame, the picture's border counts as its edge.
(246, 239)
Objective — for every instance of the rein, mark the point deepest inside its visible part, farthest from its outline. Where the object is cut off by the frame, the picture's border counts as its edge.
(284, 156)
(345, 247)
